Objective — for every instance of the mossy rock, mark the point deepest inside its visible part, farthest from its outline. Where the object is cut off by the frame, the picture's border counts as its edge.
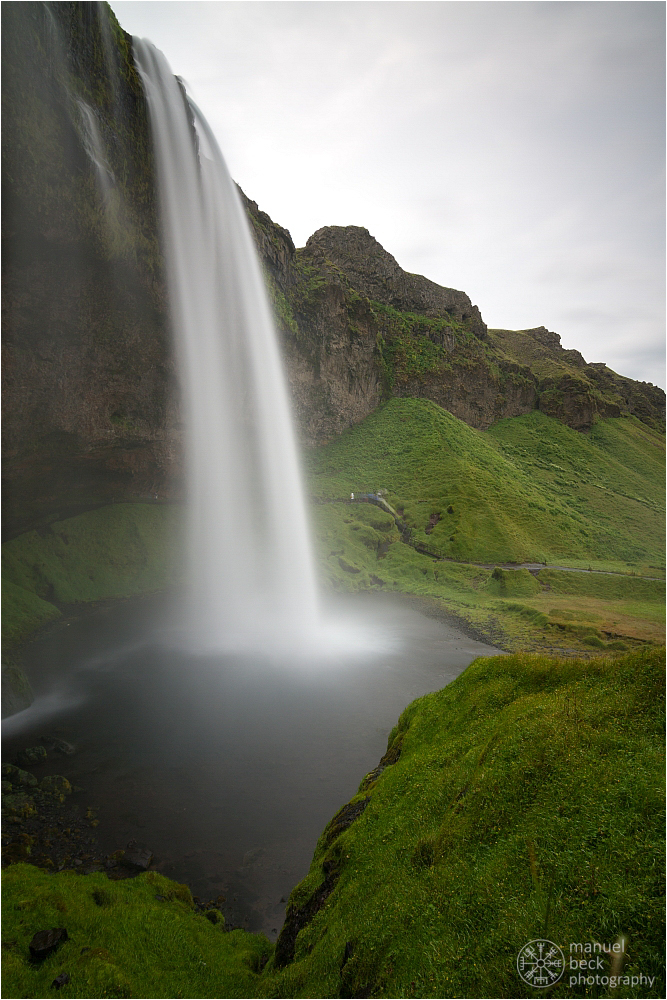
(512, 583)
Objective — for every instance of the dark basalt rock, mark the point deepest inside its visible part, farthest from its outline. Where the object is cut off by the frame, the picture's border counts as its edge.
(344, 818)
(44, 942)
(137, 856)
(58, 745)
(18, 776)
(32, 755)
(60, 980)
(298, 916)
(374, 273)
(389, 758)
(56, 785)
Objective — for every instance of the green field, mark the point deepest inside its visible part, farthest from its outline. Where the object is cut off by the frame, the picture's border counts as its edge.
(528, 490)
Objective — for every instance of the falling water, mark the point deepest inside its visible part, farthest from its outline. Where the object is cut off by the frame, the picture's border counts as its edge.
(92, 143)
(252, 580)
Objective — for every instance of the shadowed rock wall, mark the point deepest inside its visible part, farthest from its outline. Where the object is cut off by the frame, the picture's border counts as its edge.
(89, 408)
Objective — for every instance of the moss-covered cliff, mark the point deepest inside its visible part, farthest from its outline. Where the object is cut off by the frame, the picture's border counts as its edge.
(358, 329)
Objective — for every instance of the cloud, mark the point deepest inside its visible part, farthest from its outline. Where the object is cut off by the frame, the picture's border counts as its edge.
(514, 150)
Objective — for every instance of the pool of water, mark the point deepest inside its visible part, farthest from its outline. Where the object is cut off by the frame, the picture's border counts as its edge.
(228, 767)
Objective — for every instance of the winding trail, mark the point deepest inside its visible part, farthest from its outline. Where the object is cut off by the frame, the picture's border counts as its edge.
(406, 536)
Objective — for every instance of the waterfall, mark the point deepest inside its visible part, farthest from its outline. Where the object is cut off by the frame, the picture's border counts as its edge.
(92, 143)
(250, 567)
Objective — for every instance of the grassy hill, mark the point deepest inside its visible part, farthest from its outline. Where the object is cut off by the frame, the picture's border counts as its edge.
(114, 551)
(528, 490)
(524, 800)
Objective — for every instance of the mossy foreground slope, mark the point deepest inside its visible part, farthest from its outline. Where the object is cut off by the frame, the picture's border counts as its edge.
(136, 938)
(524, 800)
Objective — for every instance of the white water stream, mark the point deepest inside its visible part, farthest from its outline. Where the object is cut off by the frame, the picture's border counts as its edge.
(251, 570)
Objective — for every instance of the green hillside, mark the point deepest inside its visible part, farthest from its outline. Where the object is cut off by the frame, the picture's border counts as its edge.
(524, 800)
(529, 490)
(114, 551)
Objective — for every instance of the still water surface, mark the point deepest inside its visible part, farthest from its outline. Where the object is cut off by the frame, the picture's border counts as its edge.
(227, 767)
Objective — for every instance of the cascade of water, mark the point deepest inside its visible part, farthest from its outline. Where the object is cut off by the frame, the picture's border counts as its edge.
(252, 579)
(92, 142)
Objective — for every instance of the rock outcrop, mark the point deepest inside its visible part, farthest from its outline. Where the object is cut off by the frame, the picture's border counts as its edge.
(375, 274)
(357, 328)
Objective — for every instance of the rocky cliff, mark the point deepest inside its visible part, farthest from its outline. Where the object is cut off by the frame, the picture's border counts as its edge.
(357, 328)
(90, 399)
(89, 408)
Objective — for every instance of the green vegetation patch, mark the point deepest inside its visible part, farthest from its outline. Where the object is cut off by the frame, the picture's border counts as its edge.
(412, 345)
(23, 611)
(517, 583)
(135, 938)
(528, 490)
(114, 551)
(359, 547)
(525, 801)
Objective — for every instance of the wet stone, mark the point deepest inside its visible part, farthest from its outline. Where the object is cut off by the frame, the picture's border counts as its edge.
(18, 776)
(137, 856)
(55, 743)
(19, 804)
(55, 784)
(32, 755)
(44, 942)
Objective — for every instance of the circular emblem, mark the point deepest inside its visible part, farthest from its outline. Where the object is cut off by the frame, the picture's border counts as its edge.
(540, 963)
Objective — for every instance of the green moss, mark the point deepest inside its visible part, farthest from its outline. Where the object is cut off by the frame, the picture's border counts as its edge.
(612, 586)
(23, 611)
(281, 307)
(144, 939)
(114, 551)
(519, 583)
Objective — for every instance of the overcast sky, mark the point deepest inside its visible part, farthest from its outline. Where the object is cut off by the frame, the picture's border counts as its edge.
(512, 150)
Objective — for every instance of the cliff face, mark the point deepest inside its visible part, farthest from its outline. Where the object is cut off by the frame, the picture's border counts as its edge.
(89, 411)
(357, 329)
(90, 400)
